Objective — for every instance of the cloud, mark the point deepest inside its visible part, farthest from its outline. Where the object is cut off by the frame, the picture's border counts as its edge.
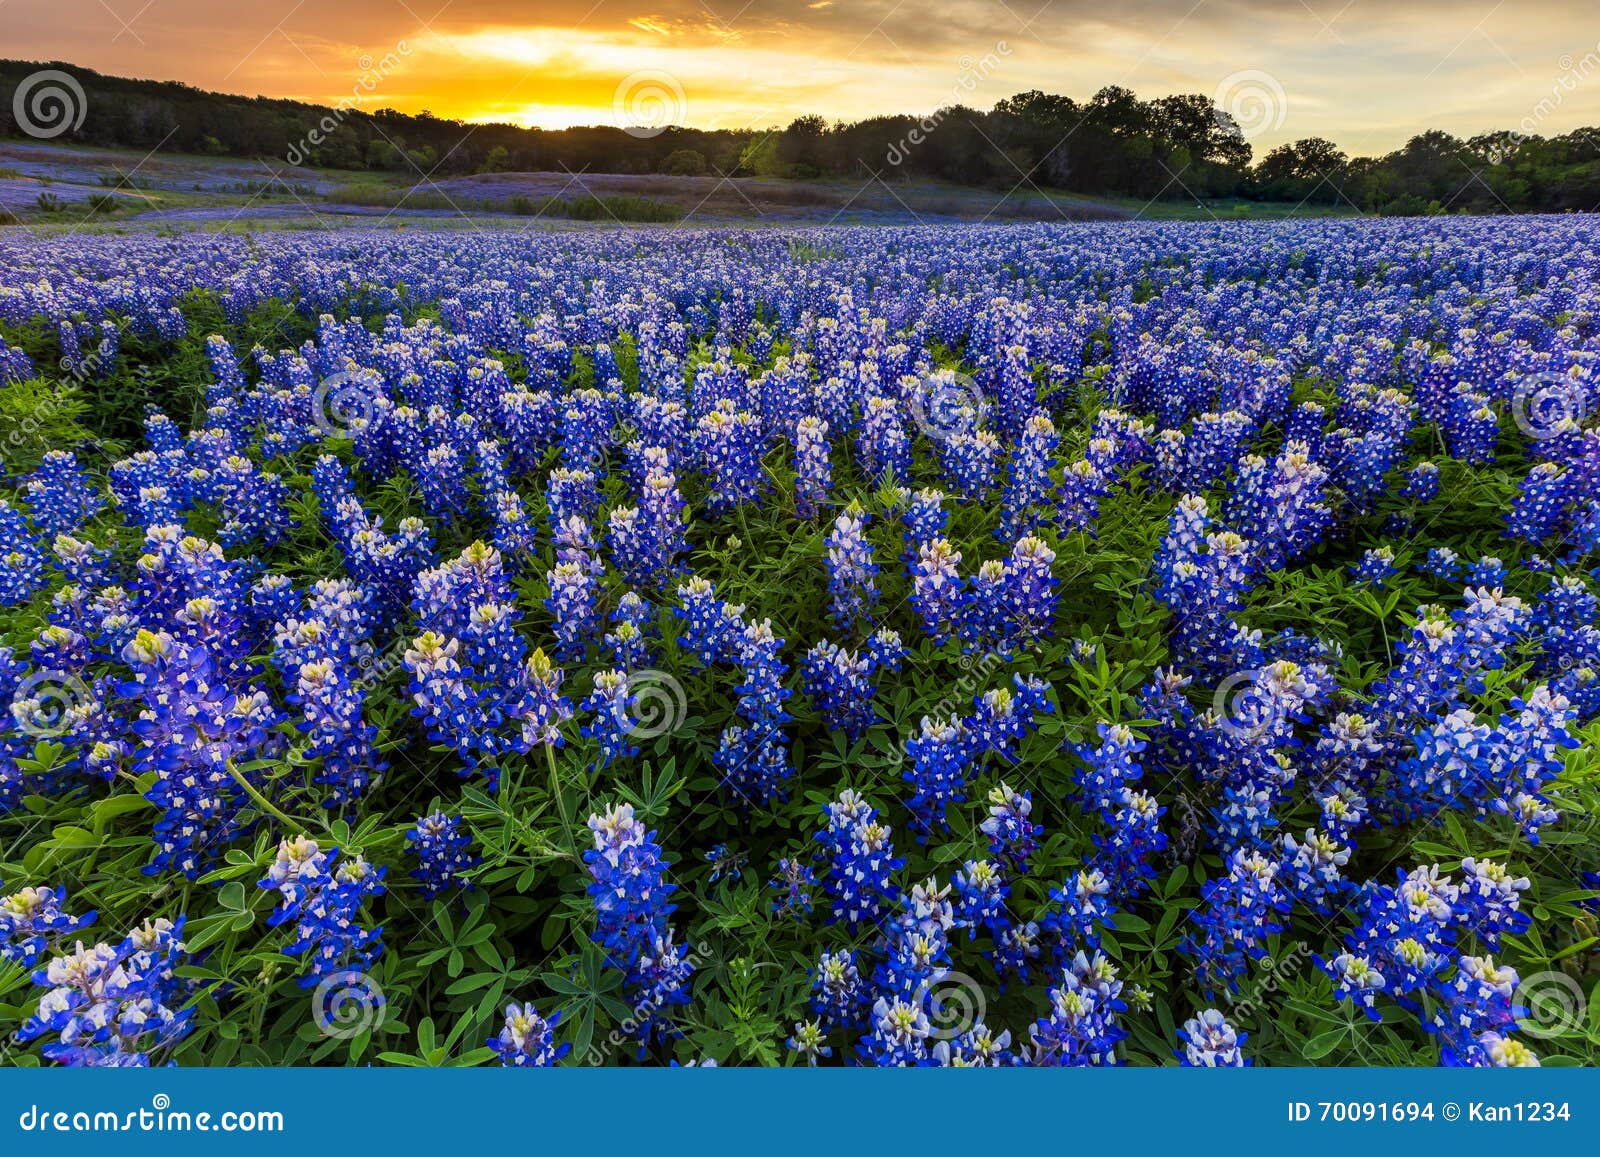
(1367, 74)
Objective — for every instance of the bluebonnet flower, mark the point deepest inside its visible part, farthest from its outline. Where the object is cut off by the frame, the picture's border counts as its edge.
(1027, 478)
(322, 895)
(630, 896)
(1442, 563)
(630, 641)
(838, 995)
(1238, 912)
(977, 1047)
(572, 601)
(812, 471)
(712, 628)
(612, 724)
(1210, 1042)
(851, 571)
(793, 883)
(115, 1006)
(527, 1039)
(970, 461)
(34, 921)
(861, 861)
(899, 1034)
(729, 445)
(808, 1041)
(925, 521)
(941, 764)
(59, 495)
(725, 863)
(1422, 483)
(22, 560)
(882, 448)
(1013, 836)
(1539, 510)
(1376, 567)
(754, 757)
(842, 683)
(1488, 572)
(193, 733)
(1082, 1027)
(444, 855)
(937, 589)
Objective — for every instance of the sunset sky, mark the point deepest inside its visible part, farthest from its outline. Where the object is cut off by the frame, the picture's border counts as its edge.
(1365, 73)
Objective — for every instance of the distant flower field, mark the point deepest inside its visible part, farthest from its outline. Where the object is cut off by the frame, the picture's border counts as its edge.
(1136, 644)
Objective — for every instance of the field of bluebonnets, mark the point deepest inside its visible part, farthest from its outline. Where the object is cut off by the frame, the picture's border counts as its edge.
(1108, 644)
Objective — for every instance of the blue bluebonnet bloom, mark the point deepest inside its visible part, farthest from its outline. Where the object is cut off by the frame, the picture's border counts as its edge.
(812, 471)
(115, 1006)
(630, 895)
(528, 1040)
(937, 590)
(793, 884)
(712, 628)
(1422, 483)
(851, 571)
(194, 733)
(443, 853)
(1082, 1027)
(1027, 479)
(323, 894)
(861, 861)
(1013, 835)
(970, 461)
(808, 1041)
(1376, 567)
(754, 756)
(1210, 1042)
(1239, 911)
(34, 921)
(838, 994)
(842, 683)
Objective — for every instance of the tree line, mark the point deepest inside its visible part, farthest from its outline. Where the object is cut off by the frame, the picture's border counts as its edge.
(1173, 148)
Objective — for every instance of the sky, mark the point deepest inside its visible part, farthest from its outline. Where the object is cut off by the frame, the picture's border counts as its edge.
(1367, 74)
